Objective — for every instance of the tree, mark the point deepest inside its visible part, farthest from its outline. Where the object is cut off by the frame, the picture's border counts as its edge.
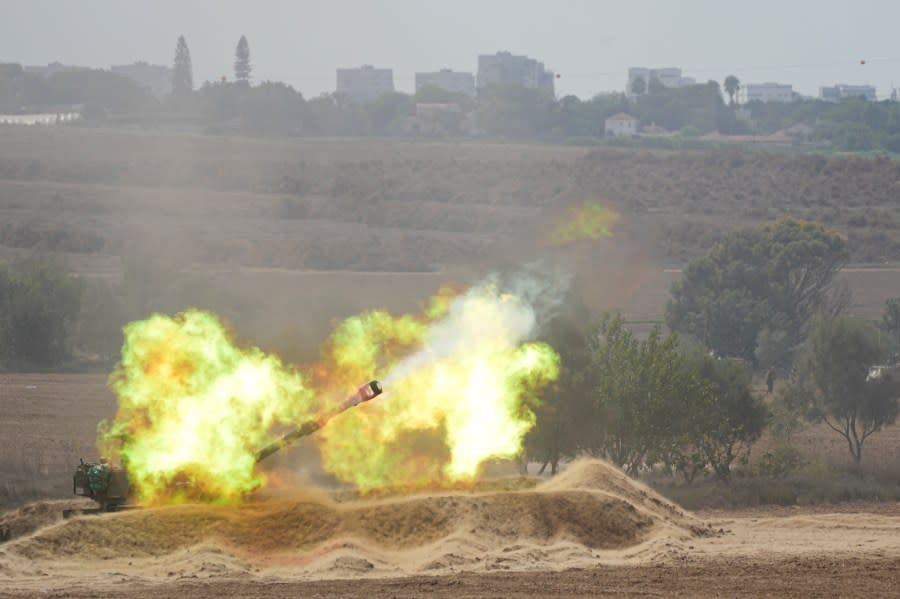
(638, 86)
(512, 110)
(836, 384)
(38, 306)
(183, 73)
(386, 110)
(272, 109)
(674, 108)
(242, 68)
(891, 321)
(732, 85)
(97, 89)
(777, 276)
(647, 402)
(733, 419)
(566, 402)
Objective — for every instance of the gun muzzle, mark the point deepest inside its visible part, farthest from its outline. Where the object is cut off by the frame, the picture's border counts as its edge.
(367, 392)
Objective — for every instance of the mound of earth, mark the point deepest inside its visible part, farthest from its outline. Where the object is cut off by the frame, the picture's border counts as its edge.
(590, 512)
(37, 515)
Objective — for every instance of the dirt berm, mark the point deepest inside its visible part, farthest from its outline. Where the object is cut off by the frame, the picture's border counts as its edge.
(588, 513)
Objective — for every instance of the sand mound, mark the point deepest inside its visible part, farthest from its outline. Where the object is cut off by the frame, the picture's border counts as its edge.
(31, 517)
(600, 476)
(591, 507)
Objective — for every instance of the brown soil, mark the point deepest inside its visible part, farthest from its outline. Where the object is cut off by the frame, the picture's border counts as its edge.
(590, 531)
(800, 578)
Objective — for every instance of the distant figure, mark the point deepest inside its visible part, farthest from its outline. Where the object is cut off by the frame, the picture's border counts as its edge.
(770, 379)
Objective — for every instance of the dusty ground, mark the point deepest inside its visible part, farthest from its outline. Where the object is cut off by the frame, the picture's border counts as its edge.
(588, 532)
(819, 577)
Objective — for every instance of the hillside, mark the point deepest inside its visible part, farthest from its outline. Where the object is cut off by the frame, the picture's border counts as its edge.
(381, 205)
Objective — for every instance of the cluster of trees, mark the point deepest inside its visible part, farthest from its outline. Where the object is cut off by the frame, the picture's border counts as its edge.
(851, 125)
(97, 90)
(47, 317)
(643, 403)
(754, 295)
(52, 320)
(38, 310)
(274, 108)
(763, 298)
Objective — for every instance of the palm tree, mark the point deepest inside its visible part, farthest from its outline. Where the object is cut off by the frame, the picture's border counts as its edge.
(732, 85)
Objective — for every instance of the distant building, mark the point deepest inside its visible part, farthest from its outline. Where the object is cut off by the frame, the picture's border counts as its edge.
(156, 79)
(668, 76)
(621, 125)
(452, 81)
(365, 84)
(842, 91)
(504, 67)
(43, 118)
(765, 92)
(52, 69)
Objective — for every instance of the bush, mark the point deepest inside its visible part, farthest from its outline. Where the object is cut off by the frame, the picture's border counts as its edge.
(779, 462)
(38, 308)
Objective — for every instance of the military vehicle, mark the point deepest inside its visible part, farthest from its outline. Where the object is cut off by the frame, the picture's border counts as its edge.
(108, 485)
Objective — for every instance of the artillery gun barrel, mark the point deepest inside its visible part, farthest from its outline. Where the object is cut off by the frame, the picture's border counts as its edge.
(367, 392)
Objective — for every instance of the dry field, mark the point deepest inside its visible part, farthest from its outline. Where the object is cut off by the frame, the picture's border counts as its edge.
(282, 237)
(587, 532)
(249, 218)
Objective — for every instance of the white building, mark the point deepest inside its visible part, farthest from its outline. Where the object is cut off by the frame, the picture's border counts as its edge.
(504, 67)
(842, 91)
(452, 81)
(156, 79)
(621, 125)
(765, 92)
(365, 84)
(668, 76)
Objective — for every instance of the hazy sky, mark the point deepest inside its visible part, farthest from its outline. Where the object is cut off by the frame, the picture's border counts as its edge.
(590, 44)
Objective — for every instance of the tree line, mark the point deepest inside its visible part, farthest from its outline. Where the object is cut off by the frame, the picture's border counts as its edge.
(507, 110)
(764, 300)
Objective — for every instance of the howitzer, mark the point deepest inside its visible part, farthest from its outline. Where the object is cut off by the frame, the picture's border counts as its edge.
(108, 485)
(367, 392)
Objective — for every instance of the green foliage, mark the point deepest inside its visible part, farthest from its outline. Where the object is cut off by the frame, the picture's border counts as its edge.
(386, 110)
(836, 385)
(183, 73)
(779, 462)
(732, 85)
(851, 125)
(891, 322)
(99, 91)
(100, 320)
(514, 111)
(272, 109)
(565, 404)
(773, 349)
(733, 418)
(697, 106)
(646, 400)
(38, 306)
(778, 275)
(242, 68)
(579, 118)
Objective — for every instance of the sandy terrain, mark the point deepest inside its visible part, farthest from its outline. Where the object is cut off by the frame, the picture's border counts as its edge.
(590, 531)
